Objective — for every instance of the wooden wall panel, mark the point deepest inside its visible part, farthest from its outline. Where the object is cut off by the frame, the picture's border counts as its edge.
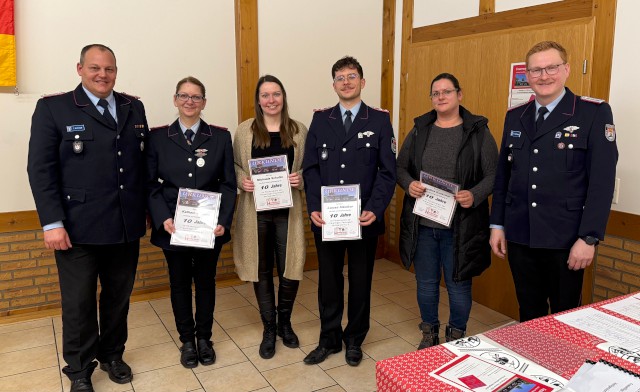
(247, 59)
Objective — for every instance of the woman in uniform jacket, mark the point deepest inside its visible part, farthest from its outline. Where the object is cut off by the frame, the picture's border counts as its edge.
(190, 154)
(270, 237)
(451, 143)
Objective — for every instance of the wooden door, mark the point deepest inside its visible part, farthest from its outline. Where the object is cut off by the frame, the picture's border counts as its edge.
(482, 63)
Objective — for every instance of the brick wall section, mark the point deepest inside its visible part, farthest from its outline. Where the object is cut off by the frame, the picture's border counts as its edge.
(617, 269)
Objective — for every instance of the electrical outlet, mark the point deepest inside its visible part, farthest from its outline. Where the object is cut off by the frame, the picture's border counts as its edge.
(616, 191)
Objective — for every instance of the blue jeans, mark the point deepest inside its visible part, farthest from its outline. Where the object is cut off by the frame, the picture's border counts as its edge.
(434, 254)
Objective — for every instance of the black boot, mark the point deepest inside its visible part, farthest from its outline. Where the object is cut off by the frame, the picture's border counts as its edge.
(268, 345)
(286, 297)
(454, 333)
(285, 331)
(430, 335)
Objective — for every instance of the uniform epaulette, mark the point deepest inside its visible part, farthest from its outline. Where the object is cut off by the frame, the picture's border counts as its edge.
(131, 96)
(159, 127)
(379, 109)
(520, 105)
(52, 95)
(219, 127)
(323, 109)
(597, 101)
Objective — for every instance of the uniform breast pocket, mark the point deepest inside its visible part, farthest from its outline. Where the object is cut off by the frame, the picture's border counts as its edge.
(367, 150)
(325, 149)
(77, 144)
(141, 137)
(515, 153)
(570, 154)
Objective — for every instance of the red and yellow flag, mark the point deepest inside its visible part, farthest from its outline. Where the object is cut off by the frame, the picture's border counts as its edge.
(7, 44)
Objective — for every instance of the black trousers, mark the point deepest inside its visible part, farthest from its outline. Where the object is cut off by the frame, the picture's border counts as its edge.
(543, 279)
(84, 338)
(198, 266)
(361, 256)
(272, 249)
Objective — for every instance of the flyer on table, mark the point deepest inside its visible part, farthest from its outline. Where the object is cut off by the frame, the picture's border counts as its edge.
(270, 176)
(196, 217)
(341, 212)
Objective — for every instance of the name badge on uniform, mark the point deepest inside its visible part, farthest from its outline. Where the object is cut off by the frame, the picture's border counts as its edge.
(515, 133)
(75, 128)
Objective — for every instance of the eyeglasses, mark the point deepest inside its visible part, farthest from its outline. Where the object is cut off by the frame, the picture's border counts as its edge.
(550, 70)
(342, 78)
(186, 97)
(444, 93)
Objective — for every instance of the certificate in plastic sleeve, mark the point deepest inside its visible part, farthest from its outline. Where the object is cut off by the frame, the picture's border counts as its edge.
(341, 212)
(438, 204)
(196, 217)
(270, 176)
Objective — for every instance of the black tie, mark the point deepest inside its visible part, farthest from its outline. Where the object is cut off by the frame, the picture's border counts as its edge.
(107, 114)
(188, 134)
(347, 121)
(541, 112)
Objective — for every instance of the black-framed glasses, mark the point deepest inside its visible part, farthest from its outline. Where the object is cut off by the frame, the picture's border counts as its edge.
(341, 78)
(185, 97)
(550, 70)
(444, 93)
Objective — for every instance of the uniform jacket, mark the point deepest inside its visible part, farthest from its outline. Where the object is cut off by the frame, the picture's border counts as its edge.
(86, 174)
(171, 164)
(555, 186)
(365, 156)
(245, 253)
(471, 252)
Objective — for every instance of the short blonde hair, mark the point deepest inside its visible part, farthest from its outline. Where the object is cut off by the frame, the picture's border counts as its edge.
(546, 45)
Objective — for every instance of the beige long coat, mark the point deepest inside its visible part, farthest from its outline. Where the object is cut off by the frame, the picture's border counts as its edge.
(245, 239)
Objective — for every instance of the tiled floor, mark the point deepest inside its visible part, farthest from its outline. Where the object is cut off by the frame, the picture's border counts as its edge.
(31, 357)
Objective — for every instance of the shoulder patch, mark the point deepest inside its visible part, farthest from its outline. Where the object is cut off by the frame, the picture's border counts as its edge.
(131, 96)
(379, 109)
(52, 95)
(323, 109)
(159, 127)
(597, 101)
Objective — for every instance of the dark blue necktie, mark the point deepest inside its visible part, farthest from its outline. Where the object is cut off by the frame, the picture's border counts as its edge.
(107, 114)
(347, 121)
(541, 112)
(188, 134)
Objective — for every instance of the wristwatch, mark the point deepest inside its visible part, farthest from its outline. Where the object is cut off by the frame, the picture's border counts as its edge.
(590, 240)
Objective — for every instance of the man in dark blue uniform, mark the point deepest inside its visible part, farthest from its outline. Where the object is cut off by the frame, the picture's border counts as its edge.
(554, 185)
(350, 143)
(86, 170)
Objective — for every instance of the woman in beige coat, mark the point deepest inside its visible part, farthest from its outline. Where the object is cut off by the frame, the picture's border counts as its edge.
(265, 238)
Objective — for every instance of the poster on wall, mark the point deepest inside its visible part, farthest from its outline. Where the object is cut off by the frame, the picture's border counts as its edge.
(519, 90)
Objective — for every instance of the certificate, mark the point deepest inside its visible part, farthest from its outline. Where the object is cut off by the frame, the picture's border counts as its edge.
(438, 204)
(270, 177)
(341, 212)
(196, 217)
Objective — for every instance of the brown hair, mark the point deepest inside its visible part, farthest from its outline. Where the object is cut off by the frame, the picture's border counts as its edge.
(192, 80)
(546, 45)
(288, 127)
(101, 47)
(346, 62)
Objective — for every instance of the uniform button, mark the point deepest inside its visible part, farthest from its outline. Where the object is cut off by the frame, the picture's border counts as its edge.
(121, 170)
(368, 145)
(535, 169)
(119, 153)
(77, 136)
(534, 204)
(341, 182)
(190, 175)
(535, 150)
(141, 133)
(121, 186)
(68, 197)
(570, 146)
(118, 137)
(189, 159)
(510, 145)
(342, 166)
(344, 149)
(324, 144)
(534, 186)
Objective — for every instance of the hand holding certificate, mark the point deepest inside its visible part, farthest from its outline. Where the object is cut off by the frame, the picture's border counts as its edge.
(270, 177)
(341, 212)
(196, 218)
(438, 203)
